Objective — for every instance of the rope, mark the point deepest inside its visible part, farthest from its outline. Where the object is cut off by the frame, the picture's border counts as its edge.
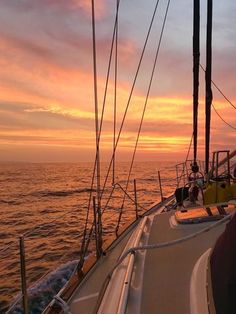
(144, 110)
(130, 96)
(178, 241)
(231, 126)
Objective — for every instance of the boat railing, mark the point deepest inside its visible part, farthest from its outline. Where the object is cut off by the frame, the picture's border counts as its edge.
(28, 242)
(167, 186)
(183, 171)
(166, 181)
(163, 185)
(136, 204)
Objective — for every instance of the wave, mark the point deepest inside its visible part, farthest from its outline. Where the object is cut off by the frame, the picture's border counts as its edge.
(151, 179)
(10, 202)
(41, 293)
(61, 193)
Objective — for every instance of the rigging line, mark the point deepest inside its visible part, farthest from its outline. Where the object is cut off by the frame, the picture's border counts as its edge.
(96, 100)
(96, 126)
(186, 159)
(190, 145)
(144, 108)
(107, 80)
(115, 96)
(219, 90)
(231, 126)
(109, 65)
(125, 192)
(130, 96)
(100, 129)
(86, 244)
(80, 264)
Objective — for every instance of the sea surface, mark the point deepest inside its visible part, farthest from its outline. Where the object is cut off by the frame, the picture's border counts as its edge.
(47, 204)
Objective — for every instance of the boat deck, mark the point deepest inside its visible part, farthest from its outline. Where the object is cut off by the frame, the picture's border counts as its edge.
(85, 297)
(160, 278)
(167, 273)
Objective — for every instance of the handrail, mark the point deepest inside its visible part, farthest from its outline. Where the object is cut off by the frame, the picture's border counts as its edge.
(128, 276)
(127, 279)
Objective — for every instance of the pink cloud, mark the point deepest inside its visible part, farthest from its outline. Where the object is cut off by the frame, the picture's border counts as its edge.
(85, 6)
(11, 43)
(82, 5)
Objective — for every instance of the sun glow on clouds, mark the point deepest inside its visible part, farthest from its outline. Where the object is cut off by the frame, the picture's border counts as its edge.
(46, 87)
(74, 113)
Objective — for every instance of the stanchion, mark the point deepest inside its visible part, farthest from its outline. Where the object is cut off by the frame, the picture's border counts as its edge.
(23, 276)
(136, 200)
(95, 226)
(159, 178)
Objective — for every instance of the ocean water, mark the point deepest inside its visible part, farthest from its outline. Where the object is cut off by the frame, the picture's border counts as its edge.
(47, 203)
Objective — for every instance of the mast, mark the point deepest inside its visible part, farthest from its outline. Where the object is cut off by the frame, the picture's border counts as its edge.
(208, 99)
(196, 57)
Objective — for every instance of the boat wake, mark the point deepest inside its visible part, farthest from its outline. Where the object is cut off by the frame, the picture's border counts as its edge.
(42, 292)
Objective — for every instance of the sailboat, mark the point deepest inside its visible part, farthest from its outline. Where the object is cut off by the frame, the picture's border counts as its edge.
(178, 257)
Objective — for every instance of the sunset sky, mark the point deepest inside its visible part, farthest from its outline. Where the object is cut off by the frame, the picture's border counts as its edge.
(46, 79)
